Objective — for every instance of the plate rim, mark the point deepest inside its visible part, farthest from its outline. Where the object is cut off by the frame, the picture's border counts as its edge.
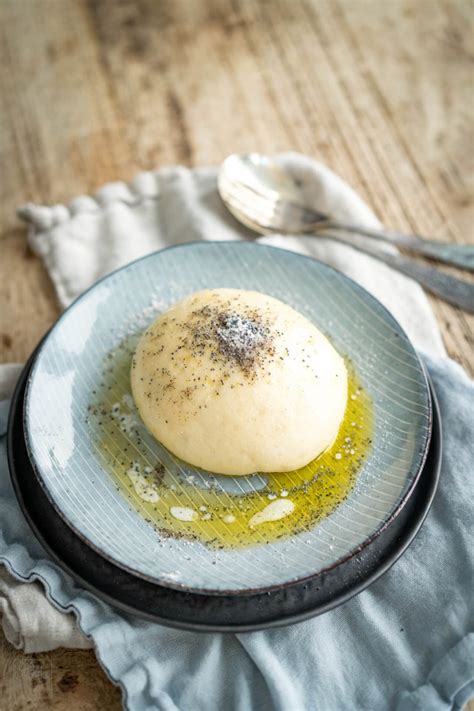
(211, 591)
(414, 525)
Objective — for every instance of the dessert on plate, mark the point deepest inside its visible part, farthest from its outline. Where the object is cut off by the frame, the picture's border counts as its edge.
(236, 382)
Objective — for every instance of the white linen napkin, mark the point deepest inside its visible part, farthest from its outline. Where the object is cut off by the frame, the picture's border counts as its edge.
(83, 241)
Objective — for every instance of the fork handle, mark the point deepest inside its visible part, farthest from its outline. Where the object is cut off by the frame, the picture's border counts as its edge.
(458, 255)
(454, 291)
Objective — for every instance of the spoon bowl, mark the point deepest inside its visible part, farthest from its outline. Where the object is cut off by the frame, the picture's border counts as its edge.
(265, 197)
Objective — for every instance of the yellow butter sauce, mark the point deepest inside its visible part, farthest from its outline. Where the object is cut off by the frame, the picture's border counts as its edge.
(290, 503)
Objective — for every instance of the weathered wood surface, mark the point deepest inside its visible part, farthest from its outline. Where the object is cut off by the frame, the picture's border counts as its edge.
(96, 91)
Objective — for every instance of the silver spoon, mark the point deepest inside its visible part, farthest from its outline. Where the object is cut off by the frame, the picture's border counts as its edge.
(264, 197)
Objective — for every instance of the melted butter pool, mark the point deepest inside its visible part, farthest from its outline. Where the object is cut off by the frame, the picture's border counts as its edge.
(158, 486)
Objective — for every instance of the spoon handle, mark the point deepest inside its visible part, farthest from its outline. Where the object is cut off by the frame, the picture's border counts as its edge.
(454, 291)
(459, 255)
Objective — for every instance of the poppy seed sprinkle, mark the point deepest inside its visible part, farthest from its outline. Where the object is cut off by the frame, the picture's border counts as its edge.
(242, 339)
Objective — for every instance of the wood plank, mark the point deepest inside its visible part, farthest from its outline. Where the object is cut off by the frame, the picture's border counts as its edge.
(63, 679)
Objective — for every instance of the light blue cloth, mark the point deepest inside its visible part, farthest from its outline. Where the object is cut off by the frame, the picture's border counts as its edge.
(402, 644)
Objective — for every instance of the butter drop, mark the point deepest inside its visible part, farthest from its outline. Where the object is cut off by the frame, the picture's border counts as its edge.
(273, 512)
(228, 518)
(144, 490)
(182, 513)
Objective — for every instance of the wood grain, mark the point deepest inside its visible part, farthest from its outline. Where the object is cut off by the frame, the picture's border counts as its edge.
(95, 91)
(64, 679)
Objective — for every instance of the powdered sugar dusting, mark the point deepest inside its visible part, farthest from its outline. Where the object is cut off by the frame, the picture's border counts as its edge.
(239, 337)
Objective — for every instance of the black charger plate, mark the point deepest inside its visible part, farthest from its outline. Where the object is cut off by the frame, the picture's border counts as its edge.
(214, 613)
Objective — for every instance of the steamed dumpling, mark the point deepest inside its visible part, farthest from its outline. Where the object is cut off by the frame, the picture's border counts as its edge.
(236, 382)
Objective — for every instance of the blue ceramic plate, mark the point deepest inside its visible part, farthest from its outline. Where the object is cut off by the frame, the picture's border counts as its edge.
(66, 456)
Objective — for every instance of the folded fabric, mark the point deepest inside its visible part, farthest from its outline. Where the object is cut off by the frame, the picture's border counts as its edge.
(31, 623)
(402, 644)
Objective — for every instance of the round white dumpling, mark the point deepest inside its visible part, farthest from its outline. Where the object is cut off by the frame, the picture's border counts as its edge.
(237, 382)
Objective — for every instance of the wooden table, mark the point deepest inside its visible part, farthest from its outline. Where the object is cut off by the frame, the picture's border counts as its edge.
(96, 91)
